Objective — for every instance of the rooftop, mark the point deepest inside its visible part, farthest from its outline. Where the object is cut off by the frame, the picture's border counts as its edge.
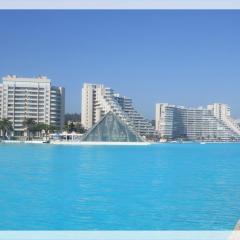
(40, 78)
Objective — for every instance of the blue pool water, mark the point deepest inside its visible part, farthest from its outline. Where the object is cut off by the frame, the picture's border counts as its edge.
(158, 187)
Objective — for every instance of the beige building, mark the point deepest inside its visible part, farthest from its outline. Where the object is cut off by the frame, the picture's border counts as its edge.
(35, 98)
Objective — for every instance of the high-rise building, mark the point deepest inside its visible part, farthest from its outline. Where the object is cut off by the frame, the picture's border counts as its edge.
(220, 110)
(213, 122)
(35, 98)
(97, 100)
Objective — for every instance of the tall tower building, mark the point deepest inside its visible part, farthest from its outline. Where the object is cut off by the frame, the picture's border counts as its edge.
(35, 98)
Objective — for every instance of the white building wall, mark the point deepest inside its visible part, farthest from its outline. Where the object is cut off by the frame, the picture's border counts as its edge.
(97, 100)
(26, 98)
(213, 122)
(88, 93)
(62, 107)
(164, 119)
(223, 112)
(220, 110)
(158, 115)
(1, 99)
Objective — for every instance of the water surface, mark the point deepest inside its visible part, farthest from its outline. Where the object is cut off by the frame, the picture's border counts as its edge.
(158, 187)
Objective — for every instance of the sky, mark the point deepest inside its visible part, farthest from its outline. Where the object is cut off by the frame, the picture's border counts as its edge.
(189, 58)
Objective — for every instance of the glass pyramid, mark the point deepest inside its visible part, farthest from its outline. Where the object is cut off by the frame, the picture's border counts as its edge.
(111, 129)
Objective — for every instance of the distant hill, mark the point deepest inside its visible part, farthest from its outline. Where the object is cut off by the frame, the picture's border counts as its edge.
(74, 117)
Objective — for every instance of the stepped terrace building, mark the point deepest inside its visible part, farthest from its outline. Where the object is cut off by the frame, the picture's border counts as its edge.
(211, 123)
(35, 98)
(98, 100)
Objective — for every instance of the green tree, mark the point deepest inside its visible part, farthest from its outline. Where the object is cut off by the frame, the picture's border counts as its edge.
(165, 137)
(65, 128)
(52, 128)
(39, 127)
(79, 128)
(30, 126)
(74, 127)
(5, 127)
(71, 127)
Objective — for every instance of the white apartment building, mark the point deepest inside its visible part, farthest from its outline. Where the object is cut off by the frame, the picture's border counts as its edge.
(22, 98)
(213, 122)
(97, 100)
(223, 112)
(220, 110)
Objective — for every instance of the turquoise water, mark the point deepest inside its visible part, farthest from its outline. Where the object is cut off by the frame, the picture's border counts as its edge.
(158, 187)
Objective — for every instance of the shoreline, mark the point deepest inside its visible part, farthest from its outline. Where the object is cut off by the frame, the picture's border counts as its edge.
(79, 143)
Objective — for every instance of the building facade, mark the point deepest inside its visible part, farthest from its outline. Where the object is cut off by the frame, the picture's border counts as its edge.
(35, 98)
(97, 100)
(211, 123)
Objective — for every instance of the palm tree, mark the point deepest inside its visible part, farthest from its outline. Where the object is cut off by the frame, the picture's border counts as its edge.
(29, 124)
(5, 126)
(39, 127)
(47, 128)
(52, 129)
(79, 128)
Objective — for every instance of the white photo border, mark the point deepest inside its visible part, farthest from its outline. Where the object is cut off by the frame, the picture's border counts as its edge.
(119, 4)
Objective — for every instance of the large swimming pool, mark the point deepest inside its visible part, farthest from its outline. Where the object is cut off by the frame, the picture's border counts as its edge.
(157, 187)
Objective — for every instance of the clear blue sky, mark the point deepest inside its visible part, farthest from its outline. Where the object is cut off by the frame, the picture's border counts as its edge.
(187, 58)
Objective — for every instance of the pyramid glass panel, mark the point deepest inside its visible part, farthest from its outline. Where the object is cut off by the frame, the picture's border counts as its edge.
(111, 129)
